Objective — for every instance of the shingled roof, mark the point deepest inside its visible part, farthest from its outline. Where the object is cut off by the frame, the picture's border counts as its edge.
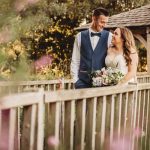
(135, 17)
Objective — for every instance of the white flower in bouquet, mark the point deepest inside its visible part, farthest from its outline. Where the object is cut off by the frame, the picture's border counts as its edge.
(97, 81)
(106, 77)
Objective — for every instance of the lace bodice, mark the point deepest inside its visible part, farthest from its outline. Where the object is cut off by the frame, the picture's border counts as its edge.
(119, 62)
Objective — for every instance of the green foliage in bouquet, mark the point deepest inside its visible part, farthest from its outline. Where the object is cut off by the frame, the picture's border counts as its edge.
(106, 77)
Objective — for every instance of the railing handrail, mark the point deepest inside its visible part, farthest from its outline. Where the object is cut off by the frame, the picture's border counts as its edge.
(16, 100)
(20, 99)
(42, 82)
(64, 95)
(8, 83)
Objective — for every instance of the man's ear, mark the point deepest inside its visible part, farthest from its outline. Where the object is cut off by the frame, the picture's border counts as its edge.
(93, 18)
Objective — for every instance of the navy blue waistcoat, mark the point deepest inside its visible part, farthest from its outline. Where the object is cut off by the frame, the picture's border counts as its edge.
(91, 60)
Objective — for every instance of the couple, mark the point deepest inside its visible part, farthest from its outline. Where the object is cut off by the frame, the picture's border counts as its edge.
(96, 48)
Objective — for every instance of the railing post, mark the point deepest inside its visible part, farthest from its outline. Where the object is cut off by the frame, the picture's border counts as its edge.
(40, 135)
(148, 49)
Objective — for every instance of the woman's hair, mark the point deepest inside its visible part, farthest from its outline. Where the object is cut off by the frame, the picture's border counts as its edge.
(128, 43)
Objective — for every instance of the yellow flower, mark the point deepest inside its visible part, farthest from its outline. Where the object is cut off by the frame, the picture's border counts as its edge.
(12, 54)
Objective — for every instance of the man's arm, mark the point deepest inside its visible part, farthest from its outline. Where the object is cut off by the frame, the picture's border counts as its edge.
(75, 62)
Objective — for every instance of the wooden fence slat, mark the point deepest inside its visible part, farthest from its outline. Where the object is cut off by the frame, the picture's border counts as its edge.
(94, 122)
(147, 118)
(32, 129)
(125, 114)
(130, 127)
(19, 126)
(137, 125)
(72, 124)
(12, 128)
(83, 124)
(112, 118)
(50, 124)
(134, 119)
(108, 118)
(103, 120)
(89, 124)
(98, 123)
(120, 114)
(57, 120)
(143, 117)
(26, 121)
(40, 130)
(54, 87)
(62, 124)
(67, 125)
(79, 125)
(139, 109)
(135, 108)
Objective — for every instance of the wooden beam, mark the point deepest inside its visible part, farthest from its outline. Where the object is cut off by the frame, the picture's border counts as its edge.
(141, 39)
(148, 49)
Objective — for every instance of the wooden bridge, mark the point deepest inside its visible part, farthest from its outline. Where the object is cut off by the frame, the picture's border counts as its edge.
(86, 119)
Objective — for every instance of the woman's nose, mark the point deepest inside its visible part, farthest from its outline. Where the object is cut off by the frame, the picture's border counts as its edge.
(113, 35)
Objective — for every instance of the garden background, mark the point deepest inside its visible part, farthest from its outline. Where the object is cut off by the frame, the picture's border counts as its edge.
(36, 36)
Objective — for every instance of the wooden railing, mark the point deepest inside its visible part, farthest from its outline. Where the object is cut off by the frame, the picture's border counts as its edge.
(13, 126)
(48, 85)
(143, 79)
(86, 119)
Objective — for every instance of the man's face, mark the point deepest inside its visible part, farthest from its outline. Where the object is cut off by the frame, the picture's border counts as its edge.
(99, 22)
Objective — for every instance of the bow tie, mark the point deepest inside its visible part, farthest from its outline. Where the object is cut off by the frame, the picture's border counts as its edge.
(95, 34)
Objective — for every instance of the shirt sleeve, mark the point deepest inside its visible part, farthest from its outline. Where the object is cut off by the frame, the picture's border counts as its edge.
(109, 39)
(75, 62)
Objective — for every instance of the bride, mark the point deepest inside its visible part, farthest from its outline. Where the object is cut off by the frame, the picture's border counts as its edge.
(123, 54)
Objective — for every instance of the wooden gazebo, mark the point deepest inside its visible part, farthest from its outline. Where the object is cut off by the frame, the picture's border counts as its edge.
(138, 20)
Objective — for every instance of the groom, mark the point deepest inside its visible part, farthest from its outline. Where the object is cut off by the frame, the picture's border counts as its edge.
(90, 49)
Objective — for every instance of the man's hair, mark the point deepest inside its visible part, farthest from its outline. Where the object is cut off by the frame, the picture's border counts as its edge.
(100, 11)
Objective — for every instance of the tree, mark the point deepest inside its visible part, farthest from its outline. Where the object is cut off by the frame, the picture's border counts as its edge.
(47, 27)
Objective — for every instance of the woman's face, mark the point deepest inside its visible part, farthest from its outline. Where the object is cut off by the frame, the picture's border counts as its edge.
(116, 38)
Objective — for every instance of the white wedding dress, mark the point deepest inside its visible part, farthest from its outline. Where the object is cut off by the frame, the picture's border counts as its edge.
(119, 62)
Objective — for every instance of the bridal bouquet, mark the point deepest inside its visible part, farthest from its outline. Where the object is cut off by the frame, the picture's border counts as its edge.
(106, 77)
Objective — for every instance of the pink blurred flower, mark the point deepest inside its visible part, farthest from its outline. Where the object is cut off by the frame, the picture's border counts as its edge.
(138, 132)
(43, 62)
(32, 1)
(123, 143)
(53, 141)
(22, 4)
(5, 36)
(4, 130)
(4, 136)
(19, 6)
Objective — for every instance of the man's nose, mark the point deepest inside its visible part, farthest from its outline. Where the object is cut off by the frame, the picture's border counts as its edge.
(104, 24)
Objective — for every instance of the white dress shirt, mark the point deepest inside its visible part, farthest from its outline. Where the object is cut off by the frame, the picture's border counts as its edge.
(75, 62)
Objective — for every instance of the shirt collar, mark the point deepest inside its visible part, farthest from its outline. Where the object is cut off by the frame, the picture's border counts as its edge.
(91, 30)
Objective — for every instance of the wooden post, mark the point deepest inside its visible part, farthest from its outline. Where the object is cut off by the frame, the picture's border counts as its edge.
(148, 49)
